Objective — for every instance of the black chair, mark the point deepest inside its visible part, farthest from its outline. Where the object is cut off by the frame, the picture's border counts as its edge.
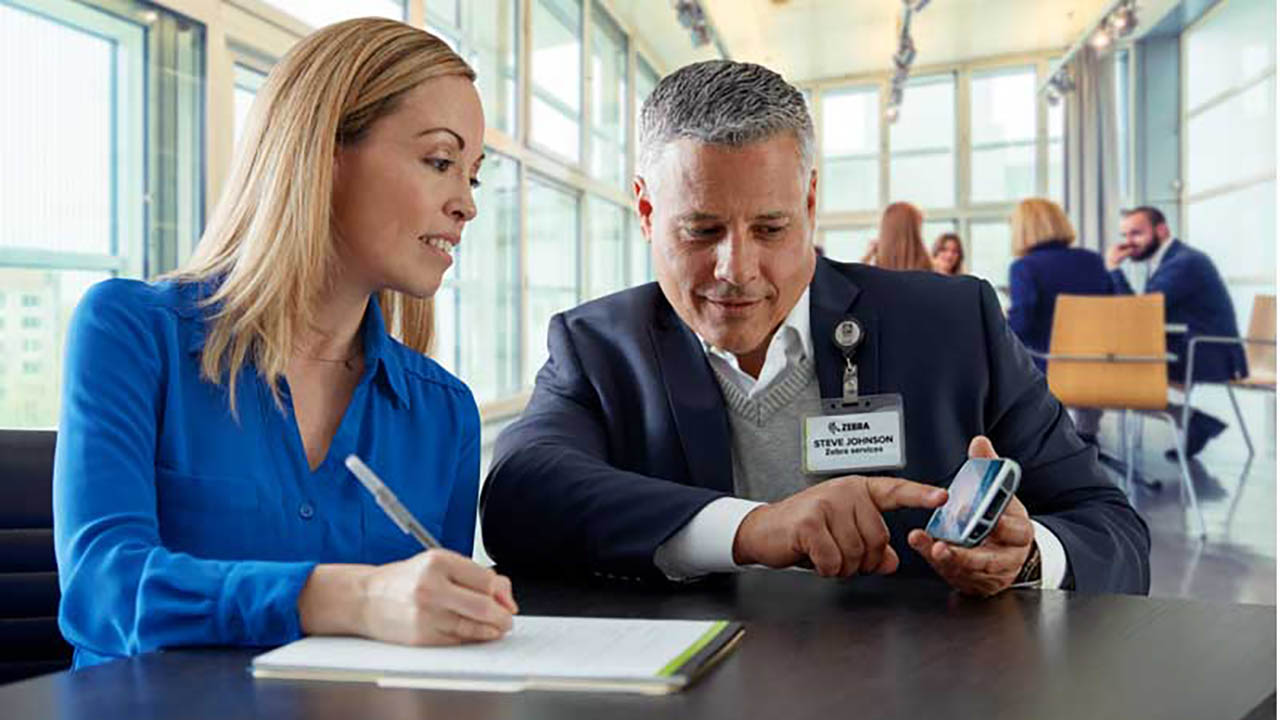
(30, 643)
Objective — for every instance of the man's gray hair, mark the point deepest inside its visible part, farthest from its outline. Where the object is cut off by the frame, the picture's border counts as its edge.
(722, 102)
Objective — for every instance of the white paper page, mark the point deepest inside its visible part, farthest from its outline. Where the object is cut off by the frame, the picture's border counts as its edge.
(536, 647)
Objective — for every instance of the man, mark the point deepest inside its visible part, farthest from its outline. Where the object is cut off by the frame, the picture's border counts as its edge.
(663, 438)
(1194, 295)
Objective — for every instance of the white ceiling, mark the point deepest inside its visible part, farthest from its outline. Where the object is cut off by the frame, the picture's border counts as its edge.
(818, 39)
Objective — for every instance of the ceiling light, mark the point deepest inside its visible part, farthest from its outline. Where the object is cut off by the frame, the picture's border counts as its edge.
(1101, 39)
(1052, 96)
(1123, 21)
(891, 114)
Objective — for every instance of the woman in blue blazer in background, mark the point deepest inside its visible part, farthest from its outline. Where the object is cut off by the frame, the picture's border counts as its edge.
(200, 496)
(1047, 266)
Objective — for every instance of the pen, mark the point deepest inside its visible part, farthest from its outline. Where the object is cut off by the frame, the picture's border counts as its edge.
(390, 504)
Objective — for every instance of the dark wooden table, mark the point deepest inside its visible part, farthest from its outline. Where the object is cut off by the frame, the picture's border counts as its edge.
(866, 648)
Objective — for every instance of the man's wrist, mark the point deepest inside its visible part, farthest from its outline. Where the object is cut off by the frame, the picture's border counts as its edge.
(1030, 574)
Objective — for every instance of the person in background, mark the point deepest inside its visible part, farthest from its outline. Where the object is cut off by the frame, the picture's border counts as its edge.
(1194, 295)
(900, 245)
(1048, 266)
(200, 496)
(948, 255)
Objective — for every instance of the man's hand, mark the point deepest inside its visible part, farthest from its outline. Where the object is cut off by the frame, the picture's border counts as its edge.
(992, 566)
(836, 525)
(1117, 254)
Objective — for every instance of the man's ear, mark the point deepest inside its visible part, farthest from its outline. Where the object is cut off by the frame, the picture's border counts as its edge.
(811, 201)
(643, 206)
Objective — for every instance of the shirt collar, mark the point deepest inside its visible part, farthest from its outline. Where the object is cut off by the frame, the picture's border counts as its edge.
(379, 347)
(380, 352)
(1155, 260)
(797, 322)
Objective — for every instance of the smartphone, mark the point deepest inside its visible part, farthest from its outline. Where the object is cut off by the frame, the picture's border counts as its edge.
(978, 494)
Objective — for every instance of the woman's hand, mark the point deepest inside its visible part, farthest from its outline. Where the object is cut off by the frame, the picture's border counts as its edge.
(434, 598)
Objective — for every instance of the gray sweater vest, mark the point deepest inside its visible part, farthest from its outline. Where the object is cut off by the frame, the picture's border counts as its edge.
(766, 433)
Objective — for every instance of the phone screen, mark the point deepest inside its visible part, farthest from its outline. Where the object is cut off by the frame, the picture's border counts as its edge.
(967, 490)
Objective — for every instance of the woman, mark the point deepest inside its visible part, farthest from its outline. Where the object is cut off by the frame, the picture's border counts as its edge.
(1047, 266)
(200, 496)
(900, 245)
(948, 255)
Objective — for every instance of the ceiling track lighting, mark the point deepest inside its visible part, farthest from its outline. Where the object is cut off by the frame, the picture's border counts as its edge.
(902, 59)
(691, 16)
(1117, 21)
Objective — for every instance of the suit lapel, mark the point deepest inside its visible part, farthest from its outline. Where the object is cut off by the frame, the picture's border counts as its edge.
(700, 414)
(1175, 247)
(832, 298)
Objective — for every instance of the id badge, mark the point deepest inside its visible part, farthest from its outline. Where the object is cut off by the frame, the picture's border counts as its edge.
(865, 435)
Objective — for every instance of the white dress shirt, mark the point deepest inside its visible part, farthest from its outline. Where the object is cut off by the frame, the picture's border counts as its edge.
(705, 544)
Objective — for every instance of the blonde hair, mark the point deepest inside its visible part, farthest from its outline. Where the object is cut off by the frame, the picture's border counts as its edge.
(1037, 221)
(269, 245)
(901, 242)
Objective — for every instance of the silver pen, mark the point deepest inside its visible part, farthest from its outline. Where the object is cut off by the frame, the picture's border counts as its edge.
(390, 504)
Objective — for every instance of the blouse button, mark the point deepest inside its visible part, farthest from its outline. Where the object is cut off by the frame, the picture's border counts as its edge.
(305, 511)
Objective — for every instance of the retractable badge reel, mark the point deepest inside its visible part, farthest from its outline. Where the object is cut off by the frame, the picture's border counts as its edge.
(855, 433)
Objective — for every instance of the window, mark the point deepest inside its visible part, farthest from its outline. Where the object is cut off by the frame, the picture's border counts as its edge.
(608, 248)
(556, 72)
(646, 81)
(922, 144)
(1003, 127)
(318, 13)
(112, 97)
(30, 346)
(847, 244)
(641, 265)
(1057, 152)
(933, 228)
(1229, 168)
(990, 251)
(552, 265)
(478, 306)
(485, 33)
(850, 173)
(247, 83)
(1124, 120)
(608, 99)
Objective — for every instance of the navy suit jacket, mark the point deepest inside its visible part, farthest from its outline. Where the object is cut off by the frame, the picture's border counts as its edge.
(1036, 280)
(1194, 294)
(627, 437)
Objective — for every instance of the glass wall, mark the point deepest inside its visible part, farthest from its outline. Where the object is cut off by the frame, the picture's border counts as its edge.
(922, 144)
(556, 74)
(608, 100)
(95, 186)
(968, 143)
(486, 34)
(552, 273)
(1229, 164)
(850, 171)
(1003, 126)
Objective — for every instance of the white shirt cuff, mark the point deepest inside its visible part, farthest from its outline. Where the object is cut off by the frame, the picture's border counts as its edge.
(1053, 558)
(705, 544)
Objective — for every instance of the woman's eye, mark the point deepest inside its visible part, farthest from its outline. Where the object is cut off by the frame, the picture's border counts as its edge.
(475, 183)
(440, 164)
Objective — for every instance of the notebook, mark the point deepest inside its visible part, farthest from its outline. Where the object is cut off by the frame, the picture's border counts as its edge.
(540, 653)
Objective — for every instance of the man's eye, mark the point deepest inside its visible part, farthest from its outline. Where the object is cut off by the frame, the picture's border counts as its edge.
(772, 229)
